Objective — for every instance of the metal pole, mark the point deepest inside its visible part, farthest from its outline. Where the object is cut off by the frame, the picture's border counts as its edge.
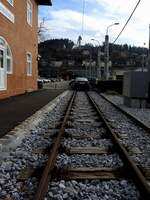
(99, 76)
(99, 63)
(86, 70)
(90, 64)
(143, 63)
(107, 52)
(106, 57)
(149, 51)
(143, 60)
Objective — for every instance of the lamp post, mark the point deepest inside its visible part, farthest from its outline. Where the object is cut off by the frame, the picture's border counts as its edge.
(98, 59)
(107, 51)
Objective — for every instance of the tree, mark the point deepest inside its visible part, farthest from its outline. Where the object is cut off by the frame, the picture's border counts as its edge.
(57, 44)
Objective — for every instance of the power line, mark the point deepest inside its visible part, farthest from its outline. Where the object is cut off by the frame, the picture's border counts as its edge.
(127, 21)
(83, 12)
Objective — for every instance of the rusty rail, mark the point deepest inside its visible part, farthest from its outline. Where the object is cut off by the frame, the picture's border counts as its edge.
(134, 171)
(43, 185)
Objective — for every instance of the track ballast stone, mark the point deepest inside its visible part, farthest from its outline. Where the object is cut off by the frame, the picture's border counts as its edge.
(130, 134)
(90, 142)
(86, 160)
(92, 190)
(142, 113)
(25, 156)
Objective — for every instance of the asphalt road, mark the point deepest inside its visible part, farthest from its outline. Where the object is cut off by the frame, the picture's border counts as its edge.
(16, 109)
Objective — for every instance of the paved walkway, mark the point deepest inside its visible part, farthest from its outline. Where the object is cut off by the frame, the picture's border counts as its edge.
(16, 109)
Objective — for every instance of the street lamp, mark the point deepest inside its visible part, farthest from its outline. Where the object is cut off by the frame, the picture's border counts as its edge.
(107, 51)
(110, 26)
(98, 59)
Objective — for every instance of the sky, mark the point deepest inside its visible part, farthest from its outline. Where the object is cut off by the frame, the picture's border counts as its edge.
(64, 20)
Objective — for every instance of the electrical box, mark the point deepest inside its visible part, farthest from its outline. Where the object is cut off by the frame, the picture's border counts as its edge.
(136, 84)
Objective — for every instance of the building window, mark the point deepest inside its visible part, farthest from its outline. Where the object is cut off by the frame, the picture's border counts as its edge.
(1, 59)
(7, 13)
(2, 42)
(7, 57)
(29, 64)
(11, 2)
(9, 60)
(29, 12)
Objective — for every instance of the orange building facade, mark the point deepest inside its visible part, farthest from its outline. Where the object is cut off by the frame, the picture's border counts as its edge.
(19, 46)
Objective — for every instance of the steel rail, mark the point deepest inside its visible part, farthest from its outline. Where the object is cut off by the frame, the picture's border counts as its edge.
(43, 185)
(134, 171)
(131, 116)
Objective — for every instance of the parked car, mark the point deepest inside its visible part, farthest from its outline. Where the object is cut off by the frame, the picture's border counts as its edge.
(80, 83)
(40, 83)
(44, 80)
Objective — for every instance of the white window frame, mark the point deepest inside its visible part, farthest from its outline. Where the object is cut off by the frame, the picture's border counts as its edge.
(6, 56)
(29, 64)
(11, 2)
(29, 12)
(9, 57)
(7, 13)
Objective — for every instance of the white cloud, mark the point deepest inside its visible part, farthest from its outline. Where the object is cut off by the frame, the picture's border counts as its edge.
(117, 6)
(67, 22)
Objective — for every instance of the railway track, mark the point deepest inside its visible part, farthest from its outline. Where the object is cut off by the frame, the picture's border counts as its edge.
(132, 132)
(87, 159)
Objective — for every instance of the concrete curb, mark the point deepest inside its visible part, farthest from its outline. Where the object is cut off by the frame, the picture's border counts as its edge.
(13, 138)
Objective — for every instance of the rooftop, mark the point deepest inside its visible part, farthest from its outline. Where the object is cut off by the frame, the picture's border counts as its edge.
(45, 2)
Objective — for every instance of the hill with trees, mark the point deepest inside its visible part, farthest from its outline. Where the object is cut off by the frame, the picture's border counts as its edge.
(65, 52)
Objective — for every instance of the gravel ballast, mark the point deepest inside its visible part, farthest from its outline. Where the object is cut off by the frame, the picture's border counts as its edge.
(89, 132)
(86, 160)
(142, 114)
(131, 136)
(92, 190)
(24, 156)
(102, 143)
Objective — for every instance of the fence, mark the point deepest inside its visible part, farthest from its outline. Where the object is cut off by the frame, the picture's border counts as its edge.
(57, 85)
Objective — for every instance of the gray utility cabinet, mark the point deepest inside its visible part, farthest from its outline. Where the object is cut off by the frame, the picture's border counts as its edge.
(136, 84)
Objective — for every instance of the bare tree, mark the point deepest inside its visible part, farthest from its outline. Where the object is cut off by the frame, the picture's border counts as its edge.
(42, 31)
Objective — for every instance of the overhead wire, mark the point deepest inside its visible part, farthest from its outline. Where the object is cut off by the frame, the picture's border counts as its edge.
(83, 13)
(127, 21)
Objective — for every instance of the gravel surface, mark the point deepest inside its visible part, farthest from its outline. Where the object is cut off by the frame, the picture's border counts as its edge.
(130, 135)
(71, 142)
(85, 124)
(86, 160)
(25, 157)
(141, 113)
(92, 190)
(98, 132)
